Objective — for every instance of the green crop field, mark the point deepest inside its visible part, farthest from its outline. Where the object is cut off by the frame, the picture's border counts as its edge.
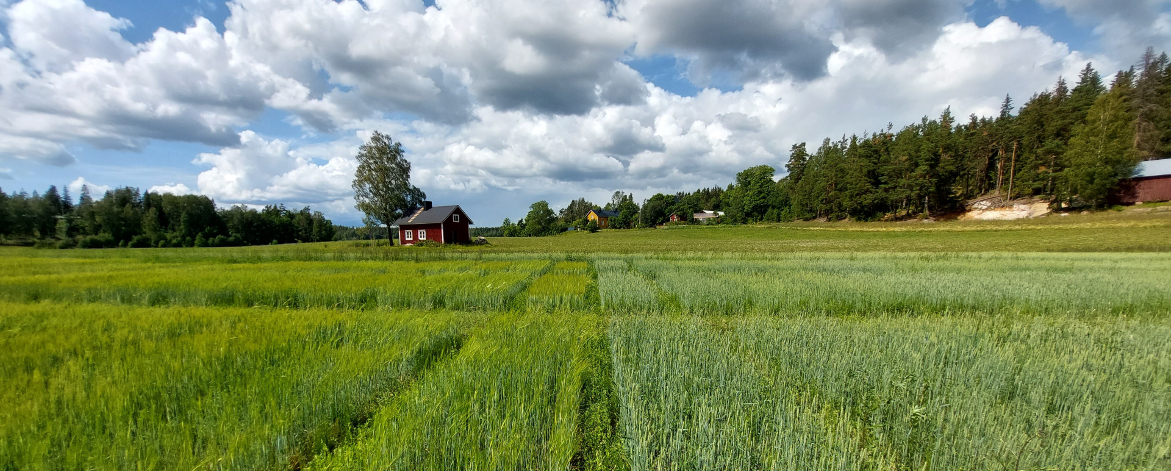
(1038, 345)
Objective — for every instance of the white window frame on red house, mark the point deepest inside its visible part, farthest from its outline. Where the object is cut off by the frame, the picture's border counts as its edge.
(422, 234)
(454, 218)
(408, 234)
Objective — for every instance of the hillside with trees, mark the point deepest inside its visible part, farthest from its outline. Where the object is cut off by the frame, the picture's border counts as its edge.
(1069, 146)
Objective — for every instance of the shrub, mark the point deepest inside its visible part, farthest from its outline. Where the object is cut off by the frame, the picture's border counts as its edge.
(140, 241)
(96, 242)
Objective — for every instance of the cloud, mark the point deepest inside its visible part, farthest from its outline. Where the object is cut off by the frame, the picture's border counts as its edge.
(96, 191)
(261, 171)
(6, 174)
(172, 188)
(54, 34)
(70, 77)
(664, 142)
(1125, 27)
(356, 61)
(763, 39)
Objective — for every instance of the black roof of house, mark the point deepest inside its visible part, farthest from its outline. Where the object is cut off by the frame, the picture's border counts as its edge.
(435, 215)
(605, 214)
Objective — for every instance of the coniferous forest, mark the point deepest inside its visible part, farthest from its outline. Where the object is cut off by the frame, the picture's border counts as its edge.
(125, 217)
(1071, 146)
(1067, 145)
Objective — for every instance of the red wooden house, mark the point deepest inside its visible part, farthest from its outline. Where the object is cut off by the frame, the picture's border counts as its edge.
(442, 224)
(675, 217)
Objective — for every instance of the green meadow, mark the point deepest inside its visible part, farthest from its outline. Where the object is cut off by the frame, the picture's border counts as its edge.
(1035, 345)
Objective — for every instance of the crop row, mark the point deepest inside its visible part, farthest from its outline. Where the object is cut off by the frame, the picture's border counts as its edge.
(1081, 285)
(456, 285)
(104, 387)
(964, 392)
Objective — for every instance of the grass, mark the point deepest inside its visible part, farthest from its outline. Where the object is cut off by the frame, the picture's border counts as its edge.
(958, 392)
(568, 286)
(464, 285)
(103, 387)
(1133, 230)
(918, 284)
(513, 399)
(951, 345)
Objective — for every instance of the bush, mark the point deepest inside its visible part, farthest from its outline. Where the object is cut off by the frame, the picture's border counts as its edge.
(428, 243)
(200, 240)
(140, 242)
(67, 243)
(96, 242)
(592, 226)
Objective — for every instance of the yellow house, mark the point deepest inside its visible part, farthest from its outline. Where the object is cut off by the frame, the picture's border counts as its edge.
(601, 217)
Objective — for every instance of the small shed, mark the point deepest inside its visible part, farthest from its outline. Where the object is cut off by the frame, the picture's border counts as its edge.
(1152, 182)
(601, 217)
(675, 217)
(442, 224)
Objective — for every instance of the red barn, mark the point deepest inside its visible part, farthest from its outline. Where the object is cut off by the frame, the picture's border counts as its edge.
(675, 217)
(1152, 182)
(442, 224)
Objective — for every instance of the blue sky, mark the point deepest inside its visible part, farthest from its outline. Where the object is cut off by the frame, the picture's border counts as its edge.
(501, 103)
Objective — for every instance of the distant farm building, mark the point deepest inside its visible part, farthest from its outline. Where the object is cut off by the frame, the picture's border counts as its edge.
(705, 216)
(442, 224)
(601, 217)
(1152, 182)
(675, 217)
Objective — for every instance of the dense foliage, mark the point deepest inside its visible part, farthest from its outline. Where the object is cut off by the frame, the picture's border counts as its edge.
(124, 217)
(1071, 147)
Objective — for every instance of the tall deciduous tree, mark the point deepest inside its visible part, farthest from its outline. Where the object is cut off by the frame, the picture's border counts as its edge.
(382, 183)
(540, 220)
(1101, 151)
(756, 184)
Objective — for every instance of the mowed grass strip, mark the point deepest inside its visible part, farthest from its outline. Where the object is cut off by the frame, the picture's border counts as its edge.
(117, 387)
(938, 393)
(459, 285)
(522, 393)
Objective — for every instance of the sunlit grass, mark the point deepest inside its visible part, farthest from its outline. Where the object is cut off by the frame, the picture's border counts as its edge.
(512, 399)
(961, 392)
(114, 387)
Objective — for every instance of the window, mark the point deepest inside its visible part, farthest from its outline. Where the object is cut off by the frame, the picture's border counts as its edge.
(422, 234)
(407, 234)
(454, 218)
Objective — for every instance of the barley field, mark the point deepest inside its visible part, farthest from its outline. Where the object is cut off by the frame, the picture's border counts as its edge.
(339, 356)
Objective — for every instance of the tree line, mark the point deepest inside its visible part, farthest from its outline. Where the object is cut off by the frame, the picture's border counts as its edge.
(1069, 146)
(126, 217)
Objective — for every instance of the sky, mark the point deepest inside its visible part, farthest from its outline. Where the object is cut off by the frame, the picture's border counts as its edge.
(499, 104)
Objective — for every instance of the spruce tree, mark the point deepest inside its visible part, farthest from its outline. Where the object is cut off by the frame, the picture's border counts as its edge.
(1146, 106)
